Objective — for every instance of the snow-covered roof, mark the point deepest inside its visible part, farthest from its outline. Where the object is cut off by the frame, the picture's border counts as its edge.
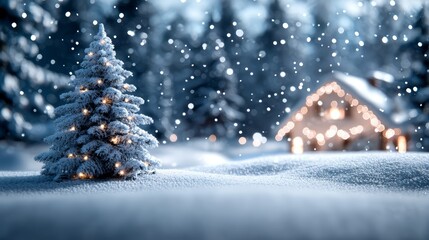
(393, 111)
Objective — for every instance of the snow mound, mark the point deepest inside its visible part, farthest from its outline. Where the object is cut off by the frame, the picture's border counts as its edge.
(311, 196)
(404, 171)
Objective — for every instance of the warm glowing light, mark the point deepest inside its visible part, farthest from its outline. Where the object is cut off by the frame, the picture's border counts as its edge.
(122, 172)
(81, 175)
(242, 140)
(336, 113)
(299, 117)
(402, 144)
(320, 137)
(297, 145)
(90, 54)
(129, 141)
(126, 86)
(85, 111)
(126, 100)
(73, 128)
(278, 137)
(389, 133)
(107, 64)
(102, 41)
(106, 101)
(343, 134)
(103, 126)
(85, 157)
(115, 140)
(380, 128)
(70, 155)
(331, 132)
(117, 164)
(100, 81)
(212, 138)
(83, 89)
(130, 118)
(173, 137)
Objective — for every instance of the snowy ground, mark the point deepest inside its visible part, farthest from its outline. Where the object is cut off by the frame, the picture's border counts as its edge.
(314, 196)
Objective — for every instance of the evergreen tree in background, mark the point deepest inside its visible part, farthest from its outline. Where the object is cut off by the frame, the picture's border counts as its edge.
(98, 133)
(176, 68)
(213, 100)
(23, 106)
(279, 58)
(131, 22)
(417, 51)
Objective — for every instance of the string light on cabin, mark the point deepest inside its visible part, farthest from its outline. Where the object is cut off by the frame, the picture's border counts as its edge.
(334, 113)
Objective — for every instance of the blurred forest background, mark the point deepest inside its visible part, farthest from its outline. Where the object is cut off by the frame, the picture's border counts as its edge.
(229, 68)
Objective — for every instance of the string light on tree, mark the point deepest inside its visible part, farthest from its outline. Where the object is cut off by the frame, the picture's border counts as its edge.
(117, 155)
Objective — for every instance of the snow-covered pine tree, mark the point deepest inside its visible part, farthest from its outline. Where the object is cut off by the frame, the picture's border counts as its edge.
(416, 50)
(22, 106)
(98, 133)
(214, 102)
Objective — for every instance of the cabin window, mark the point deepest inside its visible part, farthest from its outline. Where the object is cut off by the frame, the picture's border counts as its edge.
(335, 111)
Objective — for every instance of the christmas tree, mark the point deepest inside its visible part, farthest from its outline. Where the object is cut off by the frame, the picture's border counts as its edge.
(98, 133)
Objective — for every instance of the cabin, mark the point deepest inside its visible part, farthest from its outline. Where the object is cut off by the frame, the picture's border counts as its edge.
(347, 113)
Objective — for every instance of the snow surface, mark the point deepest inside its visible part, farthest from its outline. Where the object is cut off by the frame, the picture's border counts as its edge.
(311, 196)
